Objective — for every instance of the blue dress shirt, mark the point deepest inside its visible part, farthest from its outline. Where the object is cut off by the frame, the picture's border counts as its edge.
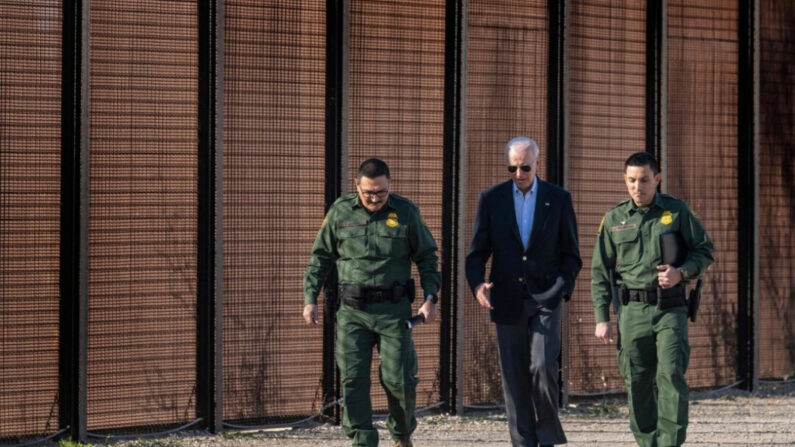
(525, 207)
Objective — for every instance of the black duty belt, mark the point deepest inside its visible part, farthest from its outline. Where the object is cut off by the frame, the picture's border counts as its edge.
(651, 296)
(359, 296)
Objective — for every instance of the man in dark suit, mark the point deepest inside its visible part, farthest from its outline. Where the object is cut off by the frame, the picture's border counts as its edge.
(528, 228)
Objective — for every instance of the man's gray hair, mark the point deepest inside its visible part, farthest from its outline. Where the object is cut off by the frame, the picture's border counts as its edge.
(524, 141)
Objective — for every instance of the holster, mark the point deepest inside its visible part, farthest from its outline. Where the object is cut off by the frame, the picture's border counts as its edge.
(614, 296)
(694, 301)
(411, 290)
(623, 294)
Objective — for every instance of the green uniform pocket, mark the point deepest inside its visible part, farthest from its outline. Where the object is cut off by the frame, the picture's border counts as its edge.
(391, 242)
(352, 241)
(628, 246)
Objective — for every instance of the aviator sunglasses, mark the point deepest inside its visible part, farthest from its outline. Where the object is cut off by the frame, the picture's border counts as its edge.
(524, 168)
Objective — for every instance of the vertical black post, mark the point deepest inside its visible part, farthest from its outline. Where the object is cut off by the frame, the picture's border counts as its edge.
(74, 221)
(747, 228)
(556, 145)
(453, 47)
(335, 96)
(209, 389)
(654, 77)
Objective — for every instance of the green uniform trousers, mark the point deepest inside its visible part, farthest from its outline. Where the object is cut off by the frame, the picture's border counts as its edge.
(380, 325)
(653, 347)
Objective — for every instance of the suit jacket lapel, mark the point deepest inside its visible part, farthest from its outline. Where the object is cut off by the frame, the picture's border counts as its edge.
(541, 212)
(511, 213)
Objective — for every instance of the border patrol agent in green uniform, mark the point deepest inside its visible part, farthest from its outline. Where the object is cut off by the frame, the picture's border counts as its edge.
(653, 343)
(373, 237)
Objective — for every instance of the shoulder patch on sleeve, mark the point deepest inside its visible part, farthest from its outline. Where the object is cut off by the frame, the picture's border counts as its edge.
(601, 225)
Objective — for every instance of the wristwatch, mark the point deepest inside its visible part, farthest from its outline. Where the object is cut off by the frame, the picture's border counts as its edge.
(432, 297)
(683, 272)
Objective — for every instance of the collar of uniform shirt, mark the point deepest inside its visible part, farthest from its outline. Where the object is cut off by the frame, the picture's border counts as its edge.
(656, 202)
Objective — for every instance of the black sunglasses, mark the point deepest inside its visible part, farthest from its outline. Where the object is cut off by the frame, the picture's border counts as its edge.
(524, 168)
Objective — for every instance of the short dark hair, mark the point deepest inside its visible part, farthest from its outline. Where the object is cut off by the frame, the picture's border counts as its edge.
(372, 168)
(642, 159)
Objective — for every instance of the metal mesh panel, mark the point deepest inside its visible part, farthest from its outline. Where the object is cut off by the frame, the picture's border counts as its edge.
(776, 190)
(702, 167)
(274, 93)
(142, 256)
(506, 75)
(607, 109)
(396, 113)
(30, 155)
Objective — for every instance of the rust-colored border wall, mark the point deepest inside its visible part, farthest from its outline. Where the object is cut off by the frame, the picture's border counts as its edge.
(274, 106)
(702, 167)
(776, 190)
(30, 184)
(142, 230)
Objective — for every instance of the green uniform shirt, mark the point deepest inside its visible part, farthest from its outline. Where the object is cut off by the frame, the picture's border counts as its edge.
(629, 242)
(374, 250)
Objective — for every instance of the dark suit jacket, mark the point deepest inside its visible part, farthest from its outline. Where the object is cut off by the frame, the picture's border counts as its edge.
(553, 249)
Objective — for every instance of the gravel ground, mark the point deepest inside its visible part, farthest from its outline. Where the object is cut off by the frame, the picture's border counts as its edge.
(717, 418)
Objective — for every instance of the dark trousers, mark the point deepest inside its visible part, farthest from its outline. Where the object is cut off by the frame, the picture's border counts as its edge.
(529, 353)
